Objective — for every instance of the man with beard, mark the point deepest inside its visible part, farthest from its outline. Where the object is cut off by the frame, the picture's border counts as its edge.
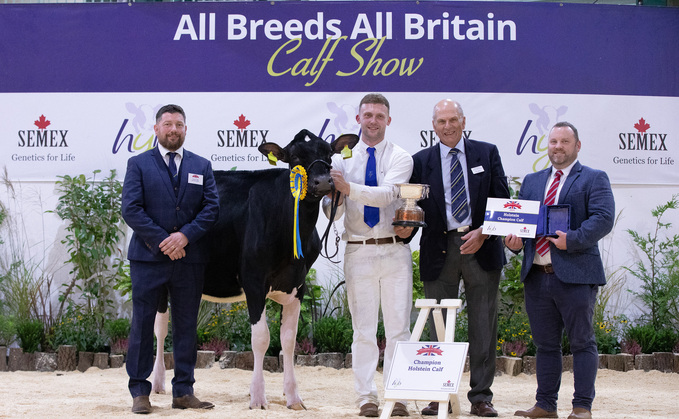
(170, 201)
(561, 275)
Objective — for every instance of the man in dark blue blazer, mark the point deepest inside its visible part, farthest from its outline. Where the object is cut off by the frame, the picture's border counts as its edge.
(561, 277)
(170, 201)
(455, 248)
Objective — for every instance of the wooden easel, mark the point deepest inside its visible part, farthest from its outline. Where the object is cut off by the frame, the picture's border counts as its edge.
(447, 330)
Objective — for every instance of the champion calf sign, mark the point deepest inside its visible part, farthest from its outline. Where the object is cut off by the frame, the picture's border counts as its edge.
(426, 370)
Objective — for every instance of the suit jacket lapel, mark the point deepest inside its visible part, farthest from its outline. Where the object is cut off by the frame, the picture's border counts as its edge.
(162, 170)
(572, 176)
(474, 182)
(184, 173)
(435, 178)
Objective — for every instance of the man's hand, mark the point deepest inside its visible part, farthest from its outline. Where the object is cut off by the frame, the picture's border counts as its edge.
(340, 184)
(173, 246)
(559, 242)
(403, 231)
(473, 241)
(514, 243)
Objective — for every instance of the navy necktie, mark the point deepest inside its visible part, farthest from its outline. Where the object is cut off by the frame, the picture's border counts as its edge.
(371, 215)
(172, 167)
(458, 201)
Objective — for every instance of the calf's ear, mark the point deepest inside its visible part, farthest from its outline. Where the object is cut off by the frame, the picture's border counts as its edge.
(275, 149)
(348, 140)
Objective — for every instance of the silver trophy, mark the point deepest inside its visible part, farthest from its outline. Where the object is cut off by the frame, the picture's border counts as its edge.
(410, 214)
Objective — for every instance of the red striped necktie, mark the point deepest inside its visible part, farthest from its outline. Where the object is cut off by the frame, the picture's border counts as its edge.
(542, 245)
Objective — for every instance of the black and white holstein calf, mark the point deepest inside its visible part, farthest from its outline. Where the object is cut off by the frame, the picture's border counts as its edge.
(254, 253)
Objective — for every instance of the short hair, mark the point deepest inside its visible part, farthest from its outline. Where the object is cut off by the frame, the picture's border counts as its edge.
(564, 124)
(436, 107)
(170, 109)
(375, 98)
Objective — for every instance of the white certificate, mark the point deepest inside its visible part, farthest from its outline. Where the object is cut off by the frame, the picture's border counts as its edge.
(427, 366)
(511, 216)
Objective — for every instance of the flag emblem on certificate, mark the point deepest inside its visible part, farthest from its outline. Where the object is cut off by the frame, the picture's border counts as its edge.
(429, 350)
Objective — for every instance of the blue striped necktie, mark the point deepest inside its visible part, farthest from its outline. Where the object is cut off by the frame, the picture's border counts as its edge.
(458, 201)
(371, 215)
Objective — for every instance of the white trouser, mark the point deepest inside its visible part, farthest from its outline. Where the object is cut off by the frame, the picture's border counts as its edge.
(374, 273)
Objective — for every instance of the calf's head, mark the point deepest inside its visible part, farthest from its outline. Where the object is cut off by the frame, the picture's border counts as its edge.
(314, 155)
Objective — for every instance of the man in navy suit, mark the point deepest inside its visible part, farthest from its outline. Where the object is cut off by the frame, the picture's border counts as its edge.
(453, 247)
(170, 201)
(561, 281)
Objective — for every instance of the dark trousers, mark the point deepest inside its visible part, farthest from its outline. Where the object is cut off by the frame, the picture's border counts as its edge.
(185, 284)
(481, 291)
(554, 306)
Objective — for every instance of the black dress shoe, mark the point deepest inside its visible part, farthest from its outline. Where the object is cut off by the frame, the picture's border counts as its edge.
(484, 409)
(141, 405)
(433, 409)
(190, 401)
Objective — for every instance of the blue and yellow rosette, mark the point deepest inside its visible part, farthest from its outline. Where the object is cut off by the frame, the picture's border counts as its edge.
(298, 185)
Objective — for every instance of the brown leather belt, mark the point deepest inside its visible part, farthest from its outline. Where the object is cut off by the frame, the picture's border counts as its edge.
(548, 269)
(384, 240)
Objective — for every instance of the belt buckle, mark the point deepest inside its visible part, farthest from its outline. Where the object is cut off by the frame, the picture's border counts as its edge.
(463, 229)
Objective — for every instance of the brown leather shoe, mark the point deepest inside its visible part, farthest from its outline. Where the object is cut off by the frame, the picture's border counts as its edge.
(369, 410)
(433, 409)
(536, 412)
(141, 405)
(484, 409)
(399, 410)
(580, 413)
(190, 401)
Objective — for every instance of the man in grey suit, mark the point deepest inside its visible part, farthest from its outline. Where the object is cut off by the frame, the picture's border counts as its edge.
(170, 201)
(561, 275)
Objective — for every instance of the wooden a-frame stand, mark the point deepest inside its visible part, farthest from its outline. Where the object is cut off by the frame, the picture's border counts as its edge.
(447, 330)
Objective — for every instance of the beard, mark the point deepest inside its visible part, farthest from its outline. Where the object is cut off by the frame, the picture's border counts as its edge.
(172, 142)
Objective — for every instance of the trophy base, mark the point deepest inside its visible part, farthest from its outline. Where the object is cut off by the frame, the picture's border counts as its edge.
(409, 223)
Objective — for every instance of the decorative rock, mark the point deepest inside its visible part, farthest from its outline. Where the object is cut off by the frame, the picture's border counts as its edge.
(529, 365)
(270, 363)
(644, 362)
(567, 363)
(245, 361)
(228, 359)
(331, 360)
(621, 362)
(307, 360)
(664, 361)
(511, 365)
(28, 363)
(676, 363)
(66, 358)
(466, 364)
(100, 360)
(3, 358)
(205, 359)
(45, 361)
(85, 360)
(116, 361)
(16, 359)
(603, 361)
(348, 361)
(168, 357)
